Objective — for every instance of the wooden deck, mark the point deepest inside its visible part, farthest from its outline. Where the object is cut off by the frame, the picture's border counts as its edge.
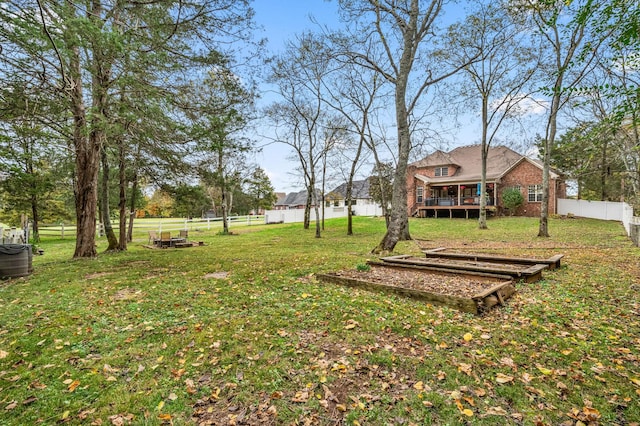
(452, 211)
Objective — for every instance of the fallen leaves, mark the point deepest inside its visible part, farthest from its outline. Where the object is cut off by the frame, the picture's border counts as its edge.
(121, 419)
(503, 378)
(588, 414)
(73, 385)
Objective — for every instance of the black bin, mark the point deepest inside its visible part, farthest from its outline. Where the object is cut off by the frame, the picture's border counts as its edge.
(15, 260)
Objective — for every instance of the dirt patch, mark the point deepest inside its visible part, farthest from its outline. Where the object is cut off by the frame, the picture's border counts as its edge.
(128, 294)
(223, 411)
(97, 275)
(217, 276)
(458, 285)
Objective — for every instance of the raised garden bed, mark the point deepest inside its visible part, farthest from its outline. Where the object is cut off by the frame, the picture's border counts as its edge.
(467, 292)
(527, 273)
(552, 262)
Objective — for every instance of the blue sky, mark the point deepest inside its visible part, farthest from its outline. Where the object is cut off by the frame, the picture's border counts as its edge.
(282, 20)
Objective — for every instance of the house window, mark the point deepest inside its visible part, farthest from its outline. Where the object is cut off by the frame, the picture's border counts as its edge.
(535, 193)
(419, 194)
(442, 171)
(336, 203)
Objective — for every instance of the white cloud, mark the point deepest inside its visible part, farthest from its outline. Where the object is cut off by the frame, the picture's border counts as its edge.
(522, 105)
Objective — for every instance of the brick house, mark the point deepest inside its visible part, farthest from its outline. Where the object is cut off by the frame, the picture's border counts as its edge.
(447, 184)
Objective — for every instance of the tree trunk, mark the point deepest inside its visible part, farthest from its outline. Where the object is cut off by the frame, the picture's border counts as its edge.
(225, 220)
(307, 211)
(482, 221)
(132, 206)
(104, 203)
(543, 230)
(87, 160)
(122, 204)
(35, 217)
(352, 173)
(398, 229)
(603, 171)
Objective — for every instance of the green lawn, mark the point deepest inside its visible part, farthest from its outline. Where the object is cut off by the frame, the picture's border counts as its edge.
(240, 332)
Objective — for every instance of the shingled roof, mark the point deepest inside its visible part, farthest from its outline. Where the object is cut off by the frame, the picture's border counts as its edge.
(469, 160)
(359, 189)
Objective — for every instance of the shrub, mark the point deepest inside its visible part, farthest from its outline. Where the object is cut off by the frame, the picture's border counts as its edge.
(512, 199)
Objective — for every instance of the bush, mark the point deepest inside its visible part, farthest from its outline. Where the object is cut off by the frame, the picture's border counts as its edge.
(512, 199)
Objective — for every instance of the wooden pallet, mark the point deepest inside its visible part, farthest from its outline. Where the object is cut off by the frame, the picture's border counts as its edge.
(552, 262)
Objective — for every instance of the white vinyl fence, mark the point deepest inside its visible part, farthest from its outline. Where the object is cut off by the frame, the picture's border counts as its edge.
(605, 210)
(297, 215)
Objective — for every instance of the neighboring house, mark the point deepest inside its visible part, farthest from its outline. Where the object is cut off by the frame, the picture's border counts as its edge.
(359, 195)
(294, 201)
(361, 202)
(448, 183)
(280, 196)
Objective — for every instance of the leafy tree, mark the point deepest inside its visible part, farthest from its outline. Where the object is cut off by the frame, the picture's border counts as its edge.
(189, 200)
(31, 158)
(588, 154)
(259, 191)
(218, 114)
(381, 186)
(512, 198)
(160, 204)
(80, 51)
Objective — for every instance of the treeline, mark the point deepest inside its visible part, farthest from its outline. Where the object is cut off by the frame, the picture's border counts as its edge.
(101, 99)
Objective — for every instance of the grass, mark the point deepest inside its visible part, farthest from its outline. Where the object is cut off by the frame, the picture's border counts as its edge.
(240, 332)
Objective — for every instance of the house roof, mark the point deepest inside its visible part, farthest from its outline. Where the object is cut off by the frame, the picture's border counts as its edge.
(295, 199)
(359, 189)
(437, 158)
(280, 196)
(500, 160)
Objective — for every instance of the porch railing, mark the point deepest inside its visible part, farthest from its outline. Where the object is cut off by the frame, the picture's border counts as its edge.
(452, 201)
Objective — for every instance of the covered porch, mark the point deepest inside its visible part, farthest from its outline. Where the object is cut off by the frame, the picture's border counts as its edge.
(453, 200)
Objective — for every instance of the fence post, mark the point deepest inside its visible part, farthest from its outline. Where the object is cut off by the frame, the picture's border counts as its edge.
(62, 230)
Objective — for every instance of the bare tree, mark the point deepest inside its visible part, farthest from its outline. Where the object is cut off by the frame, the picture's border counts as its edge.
(498, 80)
(302, 120)
(354, 93)
(404, 29)
(570, 44)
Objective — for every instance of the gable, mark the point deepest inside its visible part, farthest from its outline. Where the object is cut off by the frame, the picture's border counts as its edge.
(468, 163)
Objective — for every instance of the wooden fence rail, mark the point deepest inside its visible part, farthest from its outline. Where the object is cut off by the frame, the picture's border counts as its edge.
(62, 230)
